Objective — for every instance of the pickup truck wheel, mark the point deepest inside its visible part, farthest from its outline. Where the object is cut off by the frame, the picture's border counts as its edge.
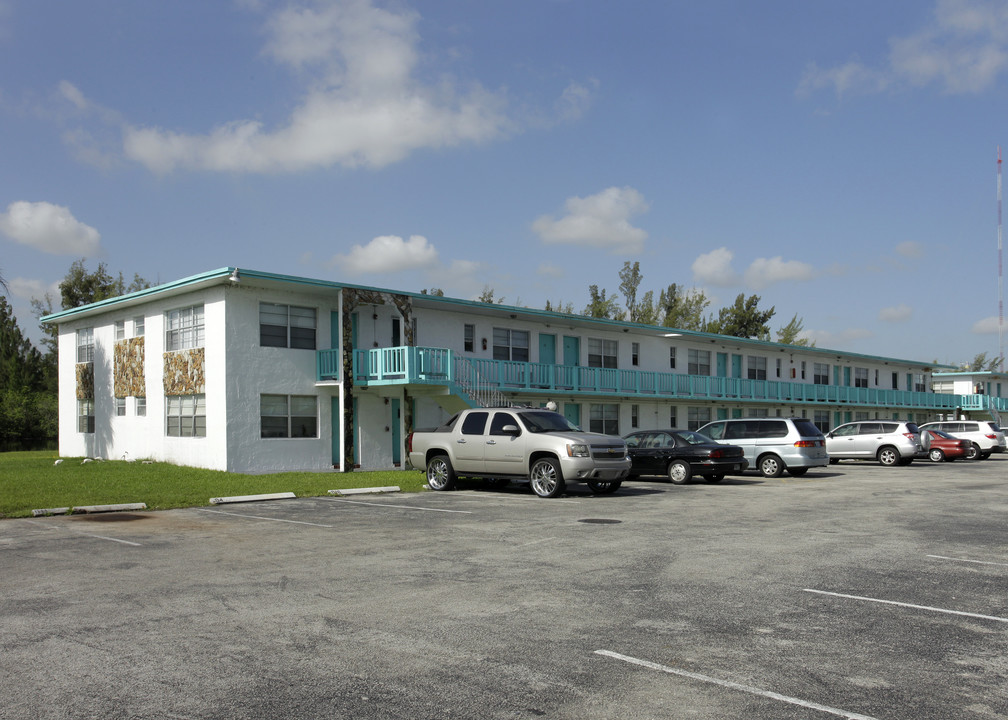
(440, 473)
(546, 479)
(604, 487)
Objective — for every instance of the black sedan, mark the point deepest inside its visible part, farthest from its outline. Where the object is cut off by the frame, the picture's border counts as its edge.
(681, 454)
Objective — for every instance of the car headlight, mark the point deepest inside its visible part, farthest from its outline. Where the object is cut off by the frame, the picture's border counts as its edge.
(577, 450)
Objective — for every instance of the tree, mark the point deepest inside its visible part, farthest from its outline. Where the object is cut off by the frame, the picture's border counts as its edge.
(599, 306)
(487, 296)
(980, 363)
(743, 319)
(437, 292)
(630, 280)
(682, 310)
(789, 334)
(27, 400)
(560, 307)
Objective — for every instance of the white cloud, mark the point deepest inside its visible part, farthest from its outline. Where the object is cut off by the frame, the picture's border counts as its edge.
(50, 228)
(389, 254)
(910, 249)
(28, 289)
(963, 48)
(365, 105)
(896, 314)
(601, 220)
(765, 272)
(714, 268)
(986, 326)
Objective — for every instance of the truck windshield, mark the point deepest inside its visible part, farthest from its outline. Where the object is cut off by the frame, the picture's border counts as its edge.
(546, 421)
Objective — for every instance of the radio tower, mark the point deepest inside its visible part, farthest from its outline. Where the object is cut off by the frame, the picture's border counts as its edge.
(1000, 274)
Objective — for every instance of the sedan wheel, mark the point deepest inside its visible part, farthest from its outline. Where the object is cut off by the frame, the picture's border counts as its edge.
(936, 455)
(546, 478)
(973, 452)
(679, 472)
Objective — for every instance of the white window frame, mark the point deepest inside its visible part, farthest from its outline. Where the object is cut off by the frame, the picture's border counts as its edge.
(603, 353)
(604, 418)
(510, 344)
(185, 415)
(184, 328)
(756, 367)
(293, 411)
(85, 415)
(698, 362)
(85, 345)
(299, 323)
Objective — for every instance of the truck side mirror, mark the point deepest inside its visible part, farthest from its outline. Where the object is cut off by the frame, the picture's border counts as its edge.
(511, 430)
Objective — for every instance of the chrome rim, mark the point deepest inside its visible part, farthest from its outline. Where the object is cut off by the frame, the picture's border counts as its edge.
(437, 474)
(888, 457)
(936, 456)
(544, 478)
(769, 466)
(677, 472)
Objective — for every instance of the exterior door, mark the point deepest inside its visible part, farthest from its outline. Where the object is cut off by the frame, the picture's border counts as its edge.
(547, 349)
(722, 364)
(736, 366)
(336, 424)
(572, 411)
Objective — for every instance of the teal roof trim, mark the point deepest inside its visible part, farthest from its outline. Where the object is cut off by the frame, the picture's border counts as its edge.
(223, 274)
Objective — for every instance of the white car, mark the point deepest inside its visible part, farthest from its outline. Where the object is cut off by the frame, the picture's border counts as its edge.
(891, 442)
(985, 436)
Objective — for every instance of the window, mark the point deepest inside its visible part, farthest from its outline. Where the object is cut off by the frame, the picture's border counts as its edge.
(895, 381)
(120, 330)
(604, 418)
(120, 406)
(634, 416)
(469, 337)
(185, 415)
(919, 385)
(288, 416)
(286, 326)
(500, 421)
(671, 357)
(138, 326)
(141, 407)
(635, 354)
(85, 416)
(802, 369)
(85, 347)
(778, 367)
(860, 377)
(511, 345)
(474, 423)
(672, 418)
(699, 362)
(756, 367)
(821, 420)
(697, 417)
(601, 353)
(184, 328)
(820, 374)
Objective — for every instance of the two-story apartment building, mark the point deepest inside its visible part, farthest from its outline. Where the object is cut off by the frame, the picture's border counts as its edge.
(252, 371)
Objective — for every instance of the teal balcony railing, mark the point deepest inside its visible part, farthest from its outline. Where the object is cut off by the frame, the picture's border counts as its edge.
(440, 366)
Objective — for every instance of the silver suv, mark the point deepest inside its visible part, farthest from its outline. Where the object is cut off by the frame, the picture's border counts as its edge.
(773, 445)
(891, 442)
(985, 436)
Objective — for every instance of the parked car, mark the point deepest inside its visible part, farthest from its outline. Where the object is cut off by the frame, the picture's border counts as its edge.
(891, 442)
(942, 446)
(985, 436)
(681, 454)
(773, 445)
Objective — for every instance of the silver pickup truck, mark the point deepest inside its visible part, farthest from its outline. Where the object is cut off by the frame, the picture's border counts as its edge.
(540, 447)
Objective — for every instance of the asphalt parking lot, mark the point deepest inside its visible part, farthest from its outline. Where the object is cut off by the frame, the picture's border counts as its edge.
(856, 591)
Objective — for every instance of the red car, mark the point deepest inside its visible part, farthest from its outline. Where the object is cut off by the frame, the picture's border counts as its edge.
(942, 446)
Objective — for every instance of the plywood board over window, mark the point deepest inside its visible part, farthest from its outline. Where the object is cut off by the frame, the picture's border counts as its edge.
(85, 381)
(129, 380)
(185, 372)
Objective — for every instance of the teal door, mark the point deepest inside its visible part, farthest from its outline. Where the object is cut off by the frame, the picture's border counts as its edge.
(334, 329)
(722, 364)
(396, 432)
(572, 351)
(846, 377)
(547, 349)
(736, 366)
(572, 411)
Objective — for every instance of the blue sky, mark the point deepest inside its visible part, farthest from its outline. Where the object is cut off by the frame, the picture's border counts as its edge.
(837, 159)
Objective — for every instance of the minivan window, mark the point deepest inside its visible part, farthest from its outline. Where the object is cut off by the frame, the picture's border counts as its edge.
(806, 428)
(773, 429)
(715, 431)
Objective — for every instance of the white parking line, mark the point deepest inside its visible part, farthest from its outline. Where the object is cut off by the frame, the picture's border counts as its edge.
(910, 605)
(965, 560)
(736, 686)
(402, 507)
(74, 531)
(260, 517)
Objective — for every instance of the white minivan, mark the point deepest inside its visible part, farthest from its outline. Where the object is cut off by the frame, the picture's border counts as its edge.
(773, 445)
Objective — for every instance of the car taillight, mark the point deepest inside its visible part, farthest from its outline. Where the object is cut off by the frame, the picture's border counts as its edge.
(807, 443)
(717, 453)
(991, 437)
(909, 436)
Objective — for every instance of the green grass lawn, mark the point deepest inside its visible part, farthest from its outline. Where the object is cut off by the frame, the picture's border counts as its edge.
(33, 480)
